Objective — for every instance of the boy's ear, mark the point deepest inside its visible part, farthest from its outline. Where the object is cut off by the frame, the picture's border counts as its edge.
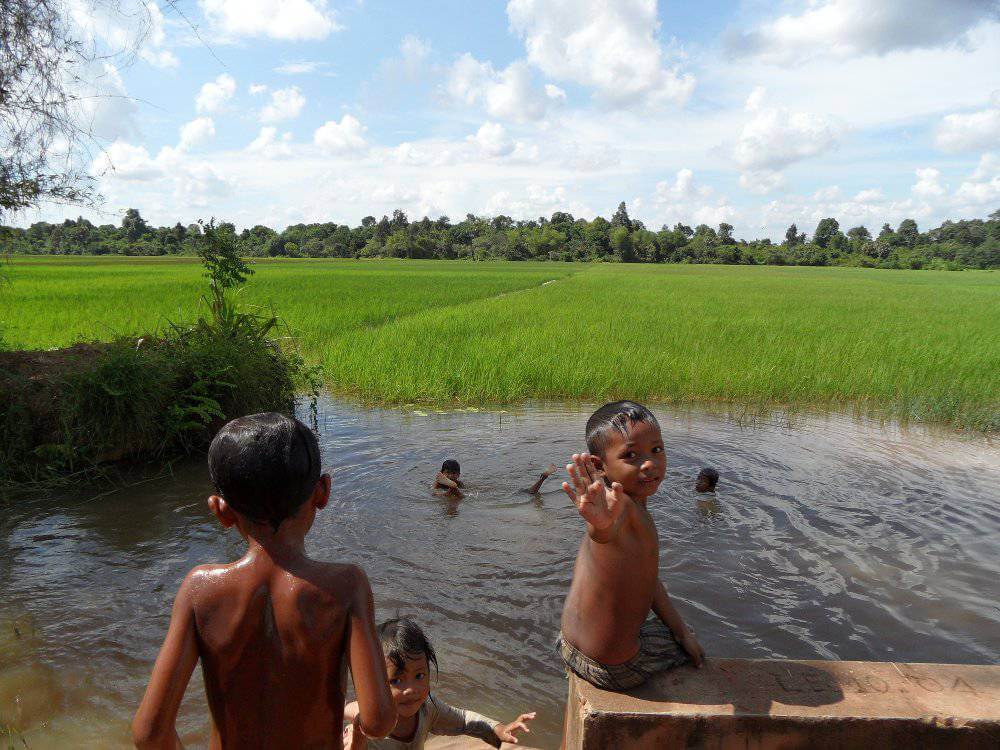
(598, 463)
(222, 512)
(321, 495)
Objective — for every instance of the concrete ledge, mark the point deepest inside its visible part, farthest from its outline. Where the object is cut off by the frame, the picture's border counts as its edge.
(761, 704)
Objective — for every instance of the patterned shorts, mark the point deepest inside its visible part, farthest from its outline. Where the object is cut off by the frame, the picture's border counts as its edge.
(658, 650)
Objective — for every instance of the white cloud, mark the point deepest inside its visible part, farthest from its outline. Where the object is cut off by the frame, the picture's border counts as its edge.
(685, 199)
(414, 49)
(871, 195)
(607, 45)
(928, 185)
(287, 20)
(346, 136)
(508, 94)
(849, 28)
(776, 137)
(185, 183)
(214, 94)
(301, 67)
(127, 162)
(257, 89)
(102, 104)
(974, 131)
(492, 138)
(762, 181)
(982, 190)
(269, 145)
(133, 27)
(285, 104)
(195, 133)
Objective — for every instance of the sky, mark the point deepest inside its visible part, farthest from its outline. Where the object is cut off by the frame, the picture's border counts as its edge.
(754, 113)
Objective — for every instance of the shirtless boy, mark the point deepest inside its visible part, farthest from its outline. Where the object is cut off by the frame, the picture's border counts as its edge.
(275, 631)
(609, 636)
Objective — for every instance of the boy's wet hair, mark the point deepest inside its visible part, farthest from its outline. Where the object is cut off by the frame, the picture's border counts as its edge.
(403, 639)
(617, 416)
(451, 465)
(264, 466)
(710, 474)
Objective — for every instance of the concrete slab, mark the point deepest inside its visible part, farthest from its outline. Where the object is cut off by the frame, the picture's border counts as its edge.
(764, 704)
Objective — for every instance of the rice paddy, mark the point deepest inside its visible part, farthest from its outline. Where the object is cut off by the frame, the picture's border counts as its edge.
(907, 344)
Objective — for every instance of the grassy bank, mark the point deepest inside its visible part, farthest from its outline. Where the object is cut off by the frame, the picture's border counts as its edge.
(922, 345)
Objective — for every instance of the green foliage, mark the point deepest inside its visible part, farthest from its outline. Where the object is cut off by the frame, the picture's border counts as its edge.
(561, 237)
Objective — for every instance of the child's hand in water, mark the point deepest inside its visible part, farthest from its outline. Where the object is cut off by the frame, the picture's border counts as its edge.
(505, 732)
(599, 505)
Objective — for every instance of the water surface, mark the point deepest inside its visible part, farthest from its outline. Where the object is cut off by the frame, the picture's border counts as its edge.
(828, 538)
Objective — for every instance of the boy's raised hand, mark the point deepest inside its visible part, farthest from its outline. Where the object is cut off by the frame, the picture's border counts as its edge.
(506, 732)
(599, 506)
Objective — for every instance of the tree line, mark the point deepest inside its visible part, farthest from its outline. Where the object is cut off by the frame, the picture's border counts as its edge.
(954, 245)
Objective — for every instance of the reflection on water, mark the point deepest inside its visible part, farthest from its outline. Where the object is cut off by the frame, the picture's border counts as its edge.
(828, 539)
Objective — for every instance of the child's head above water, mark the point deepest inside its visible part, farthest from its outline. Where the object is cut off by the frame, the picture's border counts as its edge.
(707, 479)
(624, 438)
(451, 469)
(265, 466)
(408, 657)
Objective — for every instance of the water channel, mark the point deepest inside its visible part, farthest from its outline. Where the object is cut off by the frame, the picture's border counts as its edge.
(828, 538)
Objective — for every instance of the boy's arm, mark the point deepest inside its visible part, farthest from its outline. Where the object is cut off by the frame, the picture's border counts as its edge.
(376, 710)
(153, 725)
(443, 480)
(533, 489)
(664, 608)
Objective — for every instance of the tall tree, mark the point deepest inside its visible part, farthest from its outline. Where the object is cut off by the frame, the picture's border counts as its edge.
(792, 236)
(826, 230)
(908, 234)
(621, 219)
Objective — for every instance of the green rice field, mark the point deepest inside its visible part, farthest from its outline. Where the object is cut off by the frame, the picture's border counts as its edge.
(919, 345)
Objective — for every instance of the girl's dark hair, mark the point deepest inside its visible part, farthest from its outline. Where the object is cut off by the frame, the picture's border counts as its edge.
(616, 416)
(403, 639)
(264, 466)
(450, 465)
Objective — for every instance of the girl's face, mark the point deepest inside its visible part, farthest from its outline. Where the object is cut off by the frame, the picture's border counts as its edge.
(410, 685)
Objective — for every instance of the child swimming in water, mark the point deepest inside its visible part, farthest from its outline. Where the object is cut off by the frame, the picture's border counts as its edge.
(447, 480)
(408, 657)
(619, 625)
(707, 479)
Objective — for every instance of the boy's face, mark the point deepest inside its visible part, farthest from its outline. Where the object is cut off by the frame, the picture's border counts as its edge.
(452, 474)
(636, 460)
(704, 484)
(410, 686)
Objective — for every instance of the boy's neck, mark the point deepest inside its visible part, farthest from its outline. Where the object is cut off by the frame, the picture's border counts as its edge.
(284, 545)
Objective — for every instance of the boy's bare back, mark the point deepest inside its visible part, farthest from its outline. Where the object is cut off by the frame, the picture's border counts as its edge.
(275, 631)
(272, 644)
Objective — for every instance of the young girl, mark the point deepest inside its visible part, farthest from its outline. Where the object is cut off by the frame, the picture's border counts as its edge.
(408, 657)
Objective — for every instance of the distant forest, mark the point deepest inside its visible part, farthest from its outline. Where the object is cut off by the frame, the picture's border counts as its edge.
(954, 245)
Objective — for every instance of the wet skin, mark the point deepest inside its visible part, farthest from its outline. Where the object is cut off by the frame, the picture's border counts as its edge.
(616, 577)
(275, 632)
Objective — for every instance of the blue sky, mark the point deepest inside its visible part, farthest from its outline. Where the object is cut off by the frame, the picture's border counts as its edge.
(755, 113)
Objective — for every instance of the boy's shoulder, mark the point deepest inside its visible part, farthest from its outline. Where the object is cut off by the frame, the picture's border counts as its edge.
(341, 580)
